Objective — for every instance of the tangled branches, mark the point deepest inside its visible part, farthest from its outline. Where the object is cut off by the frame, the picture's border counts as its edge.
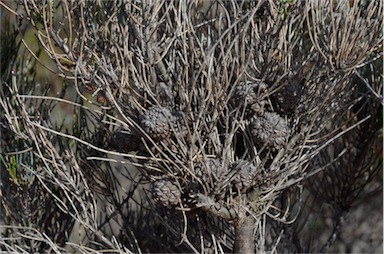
(204, 116)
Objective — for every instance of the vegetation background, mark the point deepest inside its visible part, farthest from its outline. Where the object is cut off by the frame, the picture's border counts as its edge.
(197, 126)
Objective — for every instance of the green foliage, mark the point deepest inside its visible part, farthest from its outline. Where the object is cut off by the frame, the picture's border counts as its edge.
(284, 9)
(19, 168)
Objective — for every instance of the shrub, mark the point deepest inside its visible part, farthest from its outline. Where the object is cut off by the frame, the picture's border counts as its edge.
(196, 126)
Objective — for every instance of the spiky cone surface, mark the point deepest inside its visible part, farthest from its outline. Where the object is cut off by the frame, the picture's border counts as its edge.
(157, 122)
(166, 193)
(244, 175)
(209, 169)
(248, 93)
(271, 130)
(258, 107)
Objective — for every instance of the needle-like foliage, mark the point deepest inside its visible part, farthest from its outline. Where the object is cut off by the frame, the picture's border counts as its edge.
(201, 126)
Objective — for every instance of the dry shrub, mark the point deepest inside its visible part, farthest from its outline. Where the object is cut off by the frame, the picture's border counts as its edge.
(226, 110)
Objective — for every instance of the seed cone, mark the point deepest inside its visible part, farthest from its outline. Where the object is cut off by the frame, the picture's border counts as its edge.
(166, 192)
(271, 130)
(211, 169)
(245, 174)
(249, 93)
(157, 121)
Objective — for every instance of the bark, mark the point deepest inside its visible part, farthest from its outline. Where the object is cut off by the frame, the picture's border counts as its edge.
(244, 237)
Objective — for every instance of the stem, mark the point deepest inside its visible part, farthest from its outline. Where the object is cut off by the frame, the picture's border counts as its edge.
(244, 238)
(335, 231)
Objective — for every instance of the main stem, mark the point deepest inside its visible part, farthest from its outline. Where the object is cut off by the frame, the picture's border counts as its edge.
(244, 242)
